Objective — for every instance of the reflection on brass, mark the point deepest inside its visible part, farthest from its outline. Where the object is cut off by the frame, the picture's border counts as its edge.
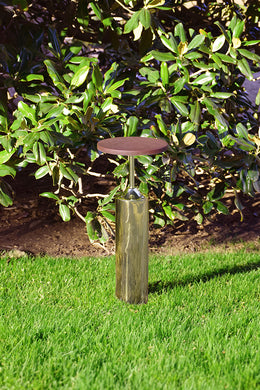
(131, 171)
(132, 247)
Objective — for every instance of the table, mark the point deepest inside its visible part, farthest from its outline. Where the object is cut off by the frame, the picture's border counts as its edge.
(132, 220)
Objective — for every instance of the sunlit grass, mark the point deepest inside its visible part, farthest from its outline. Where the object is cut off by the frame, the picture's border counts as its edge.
(61, 326)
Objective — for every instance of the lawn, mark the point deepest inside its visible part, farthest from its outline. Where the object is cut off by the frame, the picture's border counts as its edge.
(61, 326)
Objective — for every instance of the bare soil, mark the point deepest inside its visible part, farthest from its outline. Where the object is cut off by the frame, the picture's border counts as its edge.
(33, 225)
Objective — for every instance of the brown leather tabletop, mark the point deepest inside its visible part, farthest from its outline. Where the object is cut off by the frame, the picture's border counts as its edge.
(132, 146)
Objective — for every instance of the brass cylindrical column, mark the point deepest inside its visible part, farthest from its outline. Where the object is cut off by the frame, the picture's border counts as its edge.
(132, 247)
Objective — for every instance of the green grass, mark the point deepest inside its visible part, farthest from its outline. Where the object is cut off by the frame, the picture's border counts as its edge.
(61, 326)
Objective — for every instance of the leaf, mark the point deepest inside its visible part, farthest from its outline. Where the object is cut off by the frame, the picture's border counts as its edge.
(145, 18)
(256, 186)
(179, 215)
(189, 139)
(121, 170)
(80, 76)
(226, 58)
(182, 48)
(41, 172)
(6, 170)
(244, 68)
(253, 174)
(243, 144)
(199, 218)
(239, 27)
(236, 43)
(222, 208)
(161, 124)
(164, 73)
(222, 28)
(42, 154)
(3, 123)
(75, 99)
(5, 196)
(7, 142)
(108, 215)
(36, 152)
(54, 41)
(155, 3)
(251, 43)
(147, 57)
(131, 126)
(180, 32)
(179, 84)
(159, 220)
(53, 113)
(221, 95)
(233, 23)
(97, 77)
(144, 189)
(64, 212)
(250, 55)
(193, 55)
(217, 60)
(138, 31)
(5, 156)
(170, 43)
(151, 74)
(180, 107)
(257, 99)
(196, 41)
(207, 207)
(145, 160)
(165, 105)
(239, 205)
(23, 5)
(116, 85)
(169, 213)
(132, 23)
(57, 79)
(254, 139)
(34, 77)
(109, 198)
(195, 113)
(205, 78)
(80, 59)
(96, 9)
(218, 43)
(213, 110)
(27, 111)
(107, 104)
(242, 131)
(49, 195)
(93, 226)
(68, 173)
(159, 56)
(110, 75)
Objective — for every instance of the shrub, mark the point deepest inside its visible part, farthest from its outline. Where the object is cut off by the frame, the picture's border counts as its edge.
(155, 73)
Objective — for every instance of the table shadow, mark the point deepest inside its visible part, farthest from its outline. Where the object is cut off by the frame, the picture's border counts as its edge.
(160, 286)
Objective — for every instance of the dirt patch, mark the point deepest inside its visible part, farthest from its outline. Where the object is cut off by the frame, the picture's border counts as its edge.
(33, 225)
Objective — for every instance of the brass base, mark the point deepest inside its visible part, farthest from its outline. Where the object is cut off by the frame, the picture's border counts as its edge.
(132, 247)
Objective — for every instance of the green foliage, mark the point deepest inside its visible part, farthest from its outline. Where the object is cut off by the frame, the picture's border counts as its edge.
(153, 74)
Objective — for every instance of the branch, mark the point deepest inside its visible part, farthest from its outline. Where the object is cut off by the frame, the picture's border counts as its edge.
(79, 214)
(94, 173)
(125, 7)
(94, 196)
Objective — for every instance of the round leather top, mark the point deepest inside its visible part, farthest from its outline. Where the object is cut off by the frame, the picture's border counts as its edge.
(132, 146)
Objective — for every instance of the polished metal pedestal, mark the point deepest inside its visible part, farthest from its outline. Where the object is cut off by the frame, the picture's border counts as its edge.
(132, 221)
(132, 247)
